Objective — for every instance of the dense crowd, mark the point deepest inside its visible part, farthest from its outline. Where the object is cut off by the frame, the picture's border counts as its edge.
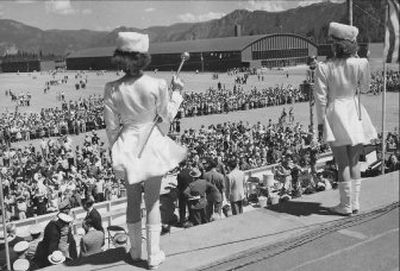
(73, 117)
(393, 81)
(221, 100)
(38, 181)
(85, 114)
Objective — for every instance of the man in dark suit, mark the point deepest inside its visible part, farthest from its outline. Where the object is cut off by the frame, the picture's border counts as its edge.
(214, 200)
(184, 179)
(53, 237)
(93, 215)
(92, 241)
(196, 193)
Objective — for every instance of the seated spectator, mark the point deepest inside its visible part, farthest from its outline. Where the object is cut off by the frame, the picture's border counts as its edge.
(35, 233)
(92, 241)
(57, 237)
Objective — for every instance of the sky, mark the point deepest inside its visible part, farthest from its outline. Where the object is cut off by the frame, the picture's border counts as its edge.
(106, 15)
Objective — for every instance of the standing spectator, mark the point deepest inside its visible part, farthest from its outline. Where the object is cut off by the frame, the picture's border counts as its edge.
(236, 187)
(93, 215)
(196, 192)
(214, 200)
(184, 179)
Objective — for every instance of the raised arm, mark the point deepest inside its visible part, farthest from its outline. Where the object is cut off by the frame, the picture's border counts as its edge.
(167, 107)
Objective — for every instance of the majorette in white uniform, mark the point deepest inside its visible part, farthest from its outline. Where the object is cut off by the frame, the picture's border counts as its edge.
(130, 108)
(337, 106)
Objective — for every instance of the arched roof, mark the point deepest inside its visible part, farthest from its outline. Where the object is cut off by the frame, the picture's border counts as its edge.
(225, 44)
(283, 34)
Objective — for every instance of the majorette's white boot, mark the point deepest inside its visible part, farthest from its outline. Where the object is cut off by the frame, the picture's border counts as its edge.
(155, 256)
(355, 197)
(344, 207)
(135, 238)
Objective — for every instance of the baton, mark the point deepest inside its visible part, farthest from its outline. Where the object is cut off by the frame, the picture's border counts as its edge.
(185, 56)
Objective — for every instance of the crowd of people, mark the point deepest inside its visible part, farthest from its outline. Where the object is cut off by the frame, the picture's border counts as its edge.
(392, 84)
(21, 99)
(221, 100)
(86, 114)
(38, 181)
(73, 117)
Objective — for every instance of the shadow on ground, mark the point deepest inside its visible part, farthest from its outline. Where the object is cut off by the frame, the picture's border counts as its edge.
(106, 259)
(300, 208)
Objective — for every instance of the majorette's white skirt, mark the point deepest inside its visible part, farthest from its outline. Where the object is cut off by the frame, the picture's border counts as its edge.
(160, 155)
(342, 125)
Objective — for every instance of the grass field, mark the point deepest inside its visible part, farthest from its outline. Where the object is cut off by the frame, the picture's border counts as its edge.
(193, 82)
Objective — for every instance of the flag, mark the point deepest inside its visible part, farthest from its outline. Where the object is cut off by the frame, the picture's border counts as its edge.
(392, 28)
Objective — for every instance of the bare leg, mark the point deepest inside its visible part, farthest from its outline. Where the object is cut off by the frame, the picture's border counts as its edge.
(342, 161)
(341, 157)
(134, 219)
(134, 200)
(152, 188)
(354, 154)
(155, 256)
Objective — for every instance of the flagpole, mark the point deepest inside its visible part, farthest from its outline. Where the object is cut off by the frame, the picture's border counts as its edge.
(384, 118)
(4, 214)
(384, 100)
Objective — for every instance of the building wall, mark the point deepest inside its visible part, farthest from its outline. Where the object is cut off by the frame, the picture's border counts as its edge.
(91, 63)
(279, 50)
(21, 66)
(47, 65)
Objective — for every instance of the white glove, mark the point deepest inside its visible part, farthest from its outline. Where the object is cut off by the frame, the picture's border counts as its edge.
(177, 83)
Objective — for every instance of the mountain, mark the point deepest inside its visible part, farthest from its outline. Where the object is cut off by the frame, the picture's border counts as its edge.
(311, 21)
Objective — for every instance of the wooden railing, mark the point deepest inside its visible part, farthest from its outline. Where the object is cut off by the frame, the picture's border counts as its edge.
(113, 212)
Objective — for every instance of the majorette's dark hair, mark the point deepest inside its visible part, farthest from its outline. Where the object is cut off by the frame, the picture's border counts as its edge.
(131, 61)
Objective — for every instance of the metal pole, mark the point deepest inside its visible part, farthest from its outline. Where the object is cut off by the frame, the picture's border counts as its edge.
(384, 102)
(350, 11)
(311, 103)
(3, 215)
(384, 118)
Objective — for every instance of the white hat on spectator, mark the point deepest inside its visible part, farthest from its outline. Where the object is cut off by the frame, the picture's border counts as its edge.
(66, 218)
(343, 31)
(21, 246)
(21, 265)
(35, 230)
(133, 42)
(56, 257)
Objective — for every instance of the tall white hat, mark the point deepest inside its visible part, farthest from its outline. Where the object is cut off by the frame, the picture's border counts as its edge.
(133, 42)
(343, 31)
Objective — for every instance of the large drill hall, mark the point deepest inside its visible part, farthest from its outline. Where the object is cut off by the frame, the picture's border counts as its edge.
(218, 54)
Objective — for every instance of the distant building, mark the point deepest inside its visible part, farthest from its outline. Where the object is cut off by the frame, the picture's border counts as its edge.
(219, 54)
(30, 65)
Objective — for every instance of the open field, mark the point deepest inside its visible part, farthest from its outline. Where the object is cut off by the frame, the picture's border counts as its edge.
(193, 82)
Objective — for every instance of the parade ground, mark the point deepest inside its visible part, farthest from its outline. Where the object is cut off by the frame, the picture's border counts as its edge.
(35, 82)
(296, 235)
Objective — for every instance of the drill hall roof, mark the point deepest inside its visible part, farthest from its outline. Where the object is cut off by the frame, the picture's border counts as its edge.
(225, 44)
